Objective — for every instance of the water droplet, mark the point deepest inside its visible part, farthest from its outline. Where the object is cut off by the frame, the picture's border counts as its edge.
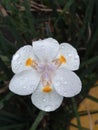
(16, 56)
(70, 55)
(65, 92)
(75, 65)
(62, 46)
(44, 99)
(65, 82)
(57, 84)
(19, 62)
(47, 108)
(16, 67)
(79, 83)
(36, 95)
(76, 58)
(24, 87)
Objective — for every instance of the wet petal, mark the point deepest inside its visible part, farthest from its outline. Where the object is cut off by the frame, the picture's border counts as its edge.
(46, 49)
(66, 83)
(46, 101)
(20, 57)
(25, 82)
(71, 56)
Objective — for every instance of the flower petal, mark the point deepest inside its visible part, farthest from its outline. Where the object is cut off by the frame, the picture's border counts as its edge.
(46, 49)
(46, 101)
(20, 57)
(66, 83)
(71, 56)
(25, 82)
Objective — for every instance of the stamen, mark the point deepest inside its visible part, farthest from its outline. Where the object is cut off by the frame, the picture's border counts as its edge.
(62, 59)
(32, 63)
(29, 62)
(58, 62)
(47, 88)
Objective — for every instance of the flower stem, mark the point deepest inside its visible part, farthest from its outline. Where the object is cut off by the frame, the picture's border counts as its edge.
(37, 120)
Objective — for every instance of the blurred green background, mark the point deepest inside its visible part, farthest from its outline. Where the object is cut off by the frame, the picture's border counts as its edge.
(21, 22)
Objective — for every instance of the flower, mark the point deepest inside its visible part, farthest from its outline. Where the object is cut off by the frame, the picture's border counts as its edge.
(45, 70)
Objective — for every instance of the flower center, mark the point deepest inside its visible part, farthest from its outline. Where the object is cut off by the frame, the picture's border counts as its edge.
(46, 75)
(46, 70)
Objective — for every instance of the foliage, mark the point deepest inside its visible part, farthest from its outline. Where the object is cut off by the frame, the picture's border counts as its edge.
(21, 22)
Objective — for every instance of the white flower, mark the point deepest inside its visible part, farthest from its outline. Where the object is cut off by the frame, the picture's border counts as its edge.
(45, 71)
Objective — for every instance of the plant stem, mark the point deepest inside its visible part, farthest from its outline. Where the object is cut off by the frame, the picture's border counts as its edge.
(37, 120)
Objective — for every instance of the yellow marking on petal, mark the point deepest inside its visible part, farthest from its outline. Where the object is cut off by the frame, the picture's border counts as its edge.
(29, 62)
(47, 89)
(62, 59)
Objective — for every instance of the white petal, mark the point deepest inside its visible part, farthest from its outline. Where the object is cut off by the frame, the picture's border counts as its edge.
(66, 83)
(46, 50)
(25, 82)
(46, 101)
(20, 57)
(71, 56)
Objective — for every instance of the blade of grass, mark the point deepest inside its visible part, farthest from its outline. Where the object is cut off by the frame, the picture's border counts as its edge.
(92, 43)
(76, 113)
(8, 115)
(77, 126)
(6, 47)
(13, 29)
(84, 113)
(87, 19)
(9, 127)
(6, 98)
(93, 98)
(37, 121)
(89, 61)
(29, 17)
(5, 69)
(66, 7)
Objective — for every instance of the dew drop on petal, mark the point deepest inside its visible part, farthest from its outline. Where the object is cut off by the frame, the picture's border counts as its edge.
(47, 108)
(65, 92)
(16, 66)
(76, 58)
(62, 46)
(37, 96)
(57, 84)
(70, 55)
(24, 87)
(65, 83)
(44, 99)
(75, 65)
